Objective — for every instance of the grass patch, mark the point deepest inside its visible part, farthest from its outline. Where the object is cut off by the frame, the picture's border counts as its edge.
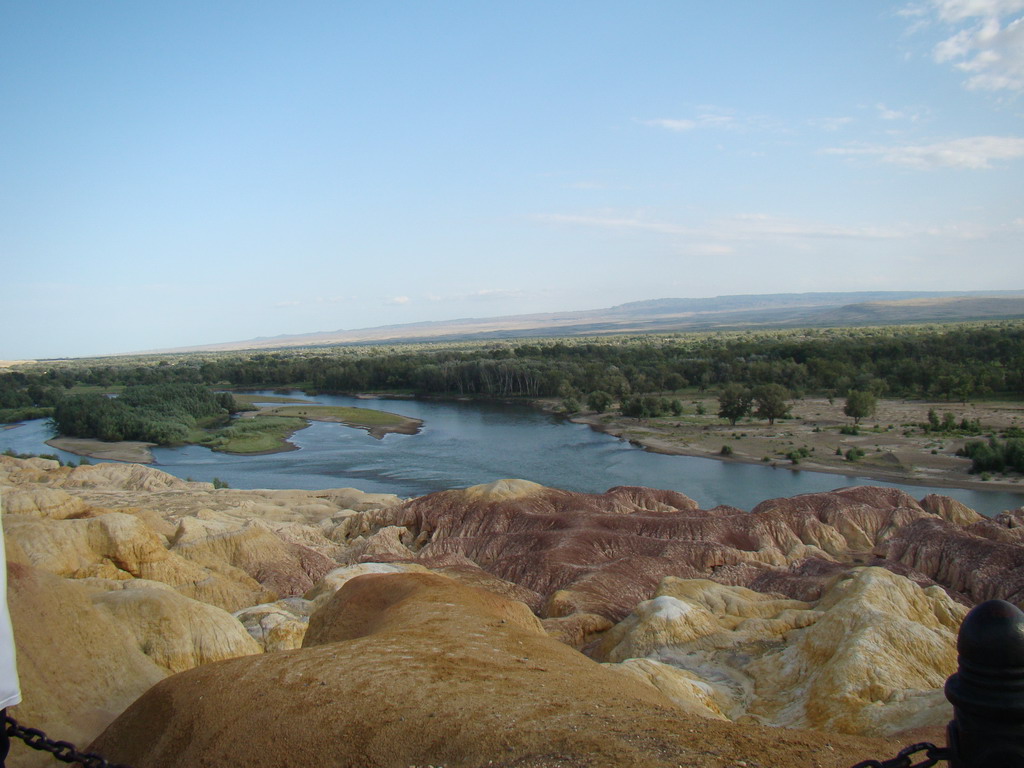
(352, 416)
(251, 399)
(96, 389)
(260, 434)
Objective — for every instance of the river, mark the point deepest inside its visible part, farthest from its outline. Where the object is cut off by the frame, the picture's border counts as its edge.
(464, 444)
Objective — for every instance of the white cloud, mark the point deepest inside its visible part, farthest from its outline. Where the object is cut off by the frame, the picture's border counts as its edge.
(830, 123)
(887, 113)
(961, 10)
(738, 228)
(671, 124)
(588, 185)
(987, 40)
(484, 294)
(709, 249)
(715, 117)
(311, 301)
(496, 293)
(611, 221)
(974, 152)
(399, 300)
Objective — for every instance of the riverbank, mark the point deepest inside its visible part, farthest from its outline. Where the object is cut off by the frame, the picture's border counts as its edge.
(253, 442)
(894, 447)
(128, 450)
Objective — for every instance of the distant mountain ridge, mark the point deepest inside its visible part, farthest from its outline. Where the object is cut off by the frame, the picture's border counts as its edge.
(778, 310)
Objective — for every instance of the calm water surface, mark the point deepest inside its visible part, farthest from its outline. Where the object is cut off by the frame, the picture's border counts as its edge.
(464, 444)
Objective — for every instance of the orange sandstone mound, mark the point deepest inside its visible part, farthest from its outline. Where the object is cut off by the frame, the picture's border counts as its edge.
(415, 669)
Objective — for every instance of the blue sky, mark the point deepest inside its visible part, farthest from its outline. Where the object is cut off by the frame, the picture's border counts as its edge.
(179, 173)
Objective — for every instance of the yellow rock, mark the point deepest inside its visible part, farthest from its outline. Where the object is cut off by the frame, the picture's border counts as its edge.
(174, 631)
(337, 578)
(503, 490)
(685, 689)
(42, 502)
(870, 657)
(79, 667)
(119, 545)
(881, 642)
(277, 626)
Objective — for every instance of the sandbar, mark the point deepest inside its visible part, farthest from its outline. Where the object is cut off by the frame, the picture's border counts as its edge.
(132, 451)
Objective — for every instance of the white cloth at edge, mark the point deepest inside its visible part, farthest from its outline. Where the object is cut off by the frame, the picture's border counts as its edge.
(10, 692)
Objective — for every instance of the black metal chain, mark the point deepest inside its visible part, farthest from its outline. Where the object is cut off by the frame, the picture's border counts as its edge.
(62, 750)
(68, 753)
(933, 755)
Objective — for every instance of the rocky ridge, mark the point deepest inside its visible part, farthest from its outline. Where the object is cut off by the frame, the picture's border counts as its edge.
(805, 613)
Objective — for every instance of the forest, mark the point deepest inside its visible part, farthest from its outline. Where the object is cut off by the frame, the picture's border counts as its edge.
(158, 413)
(642, 373)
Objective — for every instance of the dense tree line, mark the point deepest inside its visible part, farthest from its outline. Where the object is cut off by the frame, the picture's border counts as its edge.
(157, 413)
(950, 362)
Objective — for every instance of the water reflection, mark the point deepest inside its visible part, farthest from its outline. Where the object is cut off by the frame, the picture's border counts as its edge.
(464, 444)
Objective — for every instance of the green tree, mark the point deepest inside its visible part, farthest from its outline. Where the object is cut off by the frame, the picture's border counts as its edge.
(859, 405)
(734, 402)
(643, 406)
(599, 401)
(771, 402)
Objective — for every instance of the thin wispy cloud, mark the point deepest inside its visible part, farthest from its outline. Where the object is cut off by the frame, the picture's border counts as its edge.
(671, 124)
(484, 294)
(496, 293)
(612, 221)
(987, 40)
(830, 123)
(588, 185)
(713, 117)
(741, 227)
(311, 301)
(975, 152)
(888, 113)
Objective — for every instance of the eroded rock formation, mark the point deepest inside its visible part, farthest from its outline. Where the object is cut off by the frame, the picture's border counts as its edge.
(869, 657)
(604, 553)
(416, 669)
(767, 617)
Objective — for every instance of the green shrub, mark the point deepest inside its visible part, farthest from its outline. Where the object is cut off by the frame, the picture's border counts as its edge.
(994, 455)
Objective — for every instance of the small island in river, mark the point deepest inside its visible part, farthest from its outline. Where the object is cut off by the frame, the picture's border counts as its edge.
(377, 423)
(264, 430)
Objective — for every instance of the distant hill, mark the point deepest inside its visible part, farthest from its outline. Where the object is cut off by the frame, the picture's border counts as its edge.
(777, 310)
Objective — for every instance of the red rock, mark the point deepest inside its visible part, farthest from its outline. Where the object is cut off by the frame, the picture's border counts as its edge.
(604, 553)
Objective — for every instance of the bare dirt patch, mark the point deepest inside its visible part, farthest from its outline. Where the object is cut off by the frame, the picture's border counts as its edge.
(128, 450)
(894, 446)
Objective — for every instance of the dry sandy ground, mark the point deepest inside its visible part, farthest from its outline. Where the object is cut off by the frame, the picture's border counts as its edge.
(128, 450)
(894, 447)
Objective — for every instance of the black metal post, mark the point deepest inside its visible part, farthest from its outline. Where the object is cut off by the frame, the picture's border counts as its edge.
(987, 691)
(5, 740)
